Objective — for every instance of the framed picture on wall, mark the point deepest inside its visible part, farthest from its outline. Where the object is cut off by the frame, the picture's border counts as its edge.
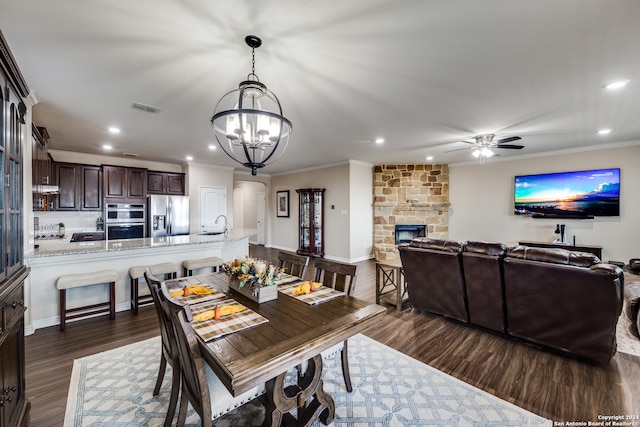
(282, 204)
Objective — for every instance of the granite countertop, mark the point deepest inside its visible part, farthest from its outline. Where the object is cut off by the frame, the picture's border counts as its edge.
(51, 248)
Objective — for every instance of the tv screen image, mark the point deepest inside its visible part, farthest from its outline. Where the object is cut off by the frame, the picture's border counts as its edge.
(569, 194)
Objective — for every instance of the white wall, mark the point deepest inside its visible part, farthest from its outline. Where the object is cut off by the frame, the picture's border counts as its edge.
(245, 205)
(482, 202)
(338, 209)
(361, 210)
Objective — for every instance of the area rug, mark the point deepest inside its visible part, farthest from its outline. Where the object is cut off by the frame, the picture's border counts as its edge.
(390, 389)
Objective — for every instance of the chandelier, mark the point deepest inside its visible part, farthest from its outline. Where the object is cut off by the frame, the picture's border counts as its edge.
(248, 121)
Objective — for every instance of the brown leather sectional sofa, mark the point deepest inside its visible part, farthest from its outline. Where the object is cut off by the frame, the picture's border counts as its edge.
(556, 298)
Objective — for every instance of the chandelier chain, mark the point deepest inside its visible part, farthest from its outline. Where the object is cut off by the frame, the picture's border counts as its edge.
(253, 61)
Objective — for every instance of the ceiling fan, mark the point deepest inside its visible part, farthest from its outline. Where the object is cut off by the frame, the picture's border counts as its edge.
(484, 144)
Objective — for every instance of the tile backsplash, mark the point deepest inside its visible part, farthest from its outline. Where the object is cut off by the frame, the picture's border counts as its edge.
(73, 221)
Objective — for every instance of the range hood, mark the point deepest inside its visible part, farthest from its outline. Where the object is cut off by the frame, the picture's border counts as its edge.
(46, 189)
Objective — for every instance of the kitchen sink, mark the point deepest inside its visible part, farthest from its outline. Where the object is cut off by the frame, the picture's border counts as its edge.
(211, 233)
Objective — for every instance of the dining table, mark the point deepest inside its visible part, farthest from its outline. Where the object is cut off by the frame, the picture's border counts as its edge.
(265, 341)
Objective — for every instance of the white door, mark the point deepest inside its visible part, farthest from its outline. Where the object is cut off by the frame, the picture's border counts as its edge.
(213, 202)
(260, 237)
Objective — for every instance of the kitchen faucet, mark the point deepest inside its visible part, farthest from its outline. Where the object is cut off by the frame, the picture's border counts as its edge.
(226, 229)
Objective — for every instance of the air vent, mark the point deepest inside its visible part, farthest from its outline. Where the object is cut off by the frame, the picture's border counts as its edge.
(130, 154)
(146, 108)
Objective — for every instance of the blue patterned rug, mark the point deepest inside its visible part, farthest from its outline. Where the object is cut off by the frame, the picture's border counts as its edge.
(390, 389)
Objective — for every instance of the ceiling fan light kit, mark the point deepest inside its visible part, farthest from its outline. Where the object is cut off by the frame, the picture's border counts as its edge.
(484, 145)
(248, 122)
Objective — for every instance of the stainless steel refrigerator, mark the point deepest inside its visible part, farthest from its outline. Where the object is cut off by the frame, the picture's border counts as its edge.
(167, 215)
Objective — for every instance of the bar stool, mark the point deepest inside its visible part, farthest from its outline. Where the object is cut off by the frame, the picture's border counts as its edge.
(194, 264)
(167, 269)
(69, 281)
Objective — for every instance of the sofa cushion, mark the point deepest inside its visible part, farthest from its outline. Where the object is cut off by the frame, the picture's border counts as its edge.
(437, 244)
(634, 265)
(632, 301)
(484, 248)
(553, 255)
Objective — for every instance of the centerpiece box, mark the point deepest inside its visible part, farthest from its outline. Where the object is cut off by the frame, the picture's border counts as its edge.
(253, 278)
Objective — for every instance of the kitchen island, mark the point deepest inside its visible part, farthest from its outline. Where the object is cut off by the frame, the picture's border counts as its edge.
(55, 258)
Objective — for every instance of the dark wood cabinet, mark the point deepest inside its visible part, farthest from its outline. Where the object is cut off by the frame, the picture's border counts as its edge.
(124, 182)
(156, 182)
(165, 183)
(91, 193)
(42, 170)
(311, 222)
(69, 187)
(80, 187)
(175, 184)
(14, 406)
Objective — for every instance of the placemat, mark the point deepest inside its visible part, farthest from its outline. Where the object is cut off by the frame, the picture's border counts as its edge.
(286, 278)
(321, 294)
(175, 284)
(211, 329)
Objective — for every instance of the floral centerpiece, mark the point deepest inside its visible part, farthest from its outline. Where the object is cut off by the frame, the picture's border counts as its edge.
(251, 274)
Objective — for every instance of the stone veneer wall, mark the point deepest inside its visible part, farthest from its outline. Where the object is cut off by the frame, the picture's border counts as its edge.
(408, 194)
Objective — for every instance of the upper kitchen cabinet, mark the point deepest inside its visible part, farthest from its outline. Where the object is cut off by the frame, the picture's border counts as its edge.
(165, 183)
(124, 182)
(42, 164)
(80, 187)
(42, 170)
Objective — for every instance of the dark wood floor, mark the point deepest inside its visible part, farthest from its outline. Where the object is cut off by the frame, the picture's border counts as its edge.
(545, 383)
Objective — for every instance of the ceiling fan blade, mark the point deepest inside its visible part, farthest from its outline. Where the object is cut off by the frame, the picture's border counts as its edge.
(458, 149)
(509, 139)
(513, 147)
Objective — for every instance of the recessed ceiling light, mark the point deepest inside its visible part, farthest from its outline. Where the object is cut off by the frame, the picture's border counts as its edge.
(107, 147)
(212, 147)
(189, 158)
(429, 158)
(604, 131)
(114, 129)
(379, 140)
(617, 84)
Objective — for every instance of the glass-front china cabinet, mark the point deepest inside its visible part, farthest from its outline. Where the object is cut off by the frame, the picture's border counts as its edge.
(14, 406)
(311, 222)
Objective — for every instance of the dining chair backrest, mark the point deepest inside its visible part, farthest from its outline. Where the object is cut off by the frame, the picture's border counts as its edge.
(336, 275)
(293, 264)
(166, 329)
(194, 374)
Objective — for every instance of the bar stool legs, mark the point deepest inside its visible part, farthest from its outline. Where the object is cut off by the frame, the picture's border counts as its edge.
(70, 281)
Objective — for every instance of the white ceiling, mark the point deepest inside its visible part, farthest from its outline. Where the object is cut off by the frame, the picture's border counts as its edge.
(423, 74)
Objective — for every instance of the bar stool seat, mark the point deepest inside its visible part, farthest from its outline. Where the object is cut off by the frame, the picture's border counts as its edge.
(194, 264)
(137, 272)
(70, 281)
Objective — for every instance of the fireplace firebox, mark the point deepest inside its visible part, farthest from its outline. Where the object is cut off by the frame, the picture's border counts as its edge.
(406, 232)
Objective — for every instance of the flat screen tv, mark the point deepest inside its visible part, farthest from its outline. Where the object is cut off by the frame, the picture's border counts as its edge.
(578, 194)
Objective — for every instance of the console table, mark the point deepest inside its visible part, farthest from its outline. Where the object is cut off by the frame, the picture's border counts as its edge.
(596, 250)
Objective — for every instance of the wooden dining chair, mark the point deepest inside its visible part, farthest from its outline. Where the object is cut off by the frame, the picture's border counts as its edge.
(293, 264)
(341, 277)
(201, 387)
(169, 348)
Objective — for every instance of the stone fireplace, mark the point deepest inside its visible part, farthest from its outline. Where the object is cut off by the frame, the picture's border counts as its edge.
(409, 195)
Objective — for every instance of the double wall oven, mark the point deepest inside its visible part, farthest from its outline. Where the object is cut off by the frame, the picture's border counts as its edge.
(125, 220)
